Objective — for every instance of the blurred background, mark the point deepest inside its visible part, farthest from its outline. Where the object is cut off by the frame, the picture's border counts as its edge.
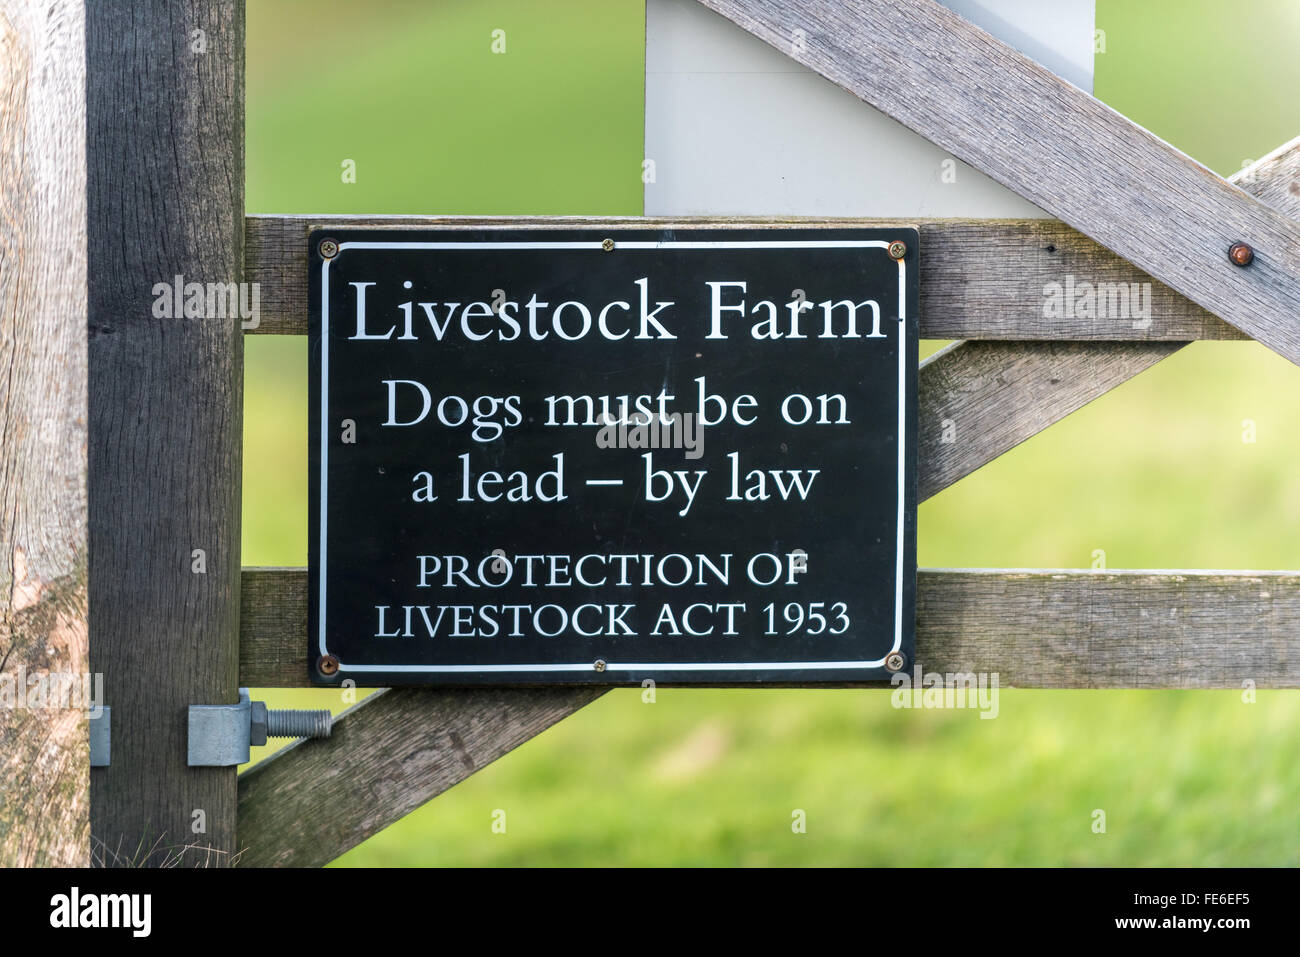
(1156, 474)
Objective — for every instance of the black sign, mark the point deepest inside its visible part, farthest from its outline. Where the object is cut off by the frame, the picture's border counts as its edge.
(552, 456)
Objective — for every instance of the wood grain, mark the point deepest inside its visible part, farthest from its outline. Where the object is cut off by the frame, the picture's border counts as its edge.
(1120, 629)
(165, 195)
(388, 754)
(1275, 179)
(980, 279)
(1060, 148)
(1034, 626)
(977, 400)
(44, 756)
(996, 395)
(397, 749)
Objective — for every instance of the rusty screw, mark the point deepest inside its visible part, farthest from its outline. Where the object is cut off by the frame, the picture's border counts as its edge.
(328, 665)
(897, 249)
(600, 664)
(1241, 254)
(328, 249)
(608, 245)
(894, 662)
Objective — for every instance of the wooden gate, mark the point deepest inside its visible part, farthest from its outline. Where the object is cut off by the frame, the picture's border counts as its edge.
(164, 190)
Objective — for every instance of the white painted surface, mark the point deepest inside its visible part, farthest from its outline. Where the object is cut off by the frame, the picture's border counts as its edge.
(735, 127)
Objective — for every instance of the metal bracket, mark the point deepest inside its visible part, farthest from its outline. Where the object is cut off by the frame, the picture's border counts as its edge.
(222, 735)
(101, 738)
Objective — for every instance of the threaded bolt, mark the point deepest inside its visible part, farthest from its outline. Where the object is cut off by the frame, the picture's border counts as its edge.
(290, 723)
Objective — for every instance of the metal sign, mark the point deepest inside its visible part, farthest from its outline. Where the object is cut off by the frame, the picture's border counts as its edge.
(556, 456)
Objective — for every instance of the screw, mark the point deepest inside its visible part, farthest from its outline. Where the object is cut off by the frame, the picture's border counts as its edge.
(600, 664)
(894, 662)
(328, 665)
(1241, 254)
(608, 245)
(328, 249)
(897, 249)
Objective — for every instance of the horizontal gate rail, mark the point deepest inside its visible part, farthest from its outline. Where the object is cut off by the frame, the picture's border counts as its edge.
(1035, 628)
(399, 748)
(980, 278)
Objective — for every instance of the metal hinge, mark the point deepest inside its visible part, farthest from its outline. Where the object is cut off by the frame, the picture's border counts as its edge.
(221, 735)
(100, 738)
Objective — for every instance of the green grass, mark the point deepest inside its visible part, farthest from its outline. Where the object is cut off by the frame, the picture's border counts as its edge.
(1155, 474)
(712, 777)
(433, 119)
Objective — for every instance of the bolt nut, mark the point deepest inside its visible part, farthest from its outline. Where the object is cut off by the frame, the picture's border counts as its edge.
(328, 665)
(897, 249)
(894, 662)
(608, 245)
(258, 720)
(1241, 254)
(600, 664)
(328, 249)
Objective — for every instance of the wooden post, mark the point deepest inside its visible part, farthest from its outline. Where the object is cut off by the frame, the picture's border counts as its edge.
(165, 90)
(44, 799)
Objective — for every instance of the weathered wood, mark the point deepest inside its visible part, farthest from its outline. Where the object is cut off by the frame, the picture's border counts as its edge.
(1034, 629)
(388, 754)
(1119, 629)
(996, 395)
(44, 758)
(1069, 629)
(1009, 279)
(1060, 148)
(166, 127)
(980, 279)
(1181, 620)
(979, 399)
(273, 628)
(1275, 179)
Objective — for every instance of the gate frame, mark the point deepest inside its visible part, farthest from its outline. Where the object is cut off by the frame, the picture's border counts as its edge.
(164, 436)
(1011, 375)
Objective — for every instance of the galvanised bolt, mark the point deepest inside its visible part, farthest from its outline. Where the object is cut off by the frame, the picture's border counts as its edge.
(897, 249)
(894, 662)
(297, 723)
(1241, 254)
(286, 723)
(328, 249)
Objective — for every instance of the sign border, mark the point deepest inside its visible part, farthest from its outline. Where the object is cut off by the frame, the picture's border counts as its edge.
(610, 667)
